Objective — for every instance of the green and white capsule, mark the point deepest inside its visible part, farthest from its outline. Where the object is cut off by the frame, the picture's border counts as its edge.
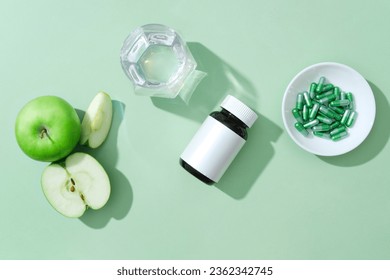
(345, 116)
(301, 129)
(327, 87)
(312, 90)
(337, 92)
(324, 119)
(334, 125)
(321, 127)
(297, 115)
(299, 104)
(311, 123)
(349, 97)
(337, 130)
(338, 110)
(340, 103)
(322, 134)
(339, 136)
(351, 119)
(320, 84)
(326, 111)
(343, 95)
(335, 115)
(305, 113)
(307, 99)
(325, 94)
(314, 111)
(327, 99)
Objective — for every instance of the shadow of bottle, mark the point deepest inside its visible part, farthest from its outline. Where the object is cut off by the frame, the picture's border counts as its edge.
(374, 142)
(221, 80)
(252, 159)
(121, 197)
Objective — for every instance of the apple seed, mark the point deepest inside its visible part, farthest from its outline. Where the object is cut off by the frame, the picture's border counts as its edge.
(72, 188)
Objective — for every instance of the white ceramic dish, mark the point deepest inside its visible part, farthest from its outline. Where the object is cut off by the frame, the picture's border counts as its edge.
(347, 79)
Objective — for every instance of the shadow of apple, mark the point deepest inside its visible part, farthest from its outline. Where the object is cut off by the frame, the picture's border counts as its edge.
(121, 198)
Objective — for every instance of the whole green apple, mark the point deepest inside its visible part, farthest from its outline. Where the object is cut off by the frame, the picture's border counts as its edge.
(47, 128)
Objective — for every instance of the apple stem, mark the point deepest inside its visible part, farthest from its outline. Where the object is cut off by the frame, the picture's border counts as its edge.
(44, 133)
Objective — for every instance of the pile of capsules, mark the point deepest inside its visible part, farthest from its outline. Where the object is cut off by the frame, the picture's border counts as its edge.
(325, 110)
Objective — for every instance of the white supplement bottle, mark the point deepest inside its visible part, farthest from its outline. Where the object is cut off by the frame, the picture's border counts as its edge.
(218, 141)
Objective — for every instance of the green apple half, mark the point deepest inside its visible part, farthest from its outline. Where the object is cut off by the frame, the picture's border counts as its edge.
(76, 184)
(47, 128)
(97, 121)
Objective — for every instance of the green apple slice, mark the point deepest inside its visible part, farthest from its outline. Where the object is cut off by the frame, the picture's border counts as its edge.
(78, 183)
(97, 121)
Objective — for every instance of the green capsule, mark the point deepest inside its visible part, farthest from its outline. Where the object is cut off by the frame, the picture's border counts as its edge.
(324, 119)
(351, 119)
(299, 104)
(297, 115)
(337, 130)
(301, 129)
(314, 111)
(337, 92)
(305, 113)
(340, 103)
(327, 87)
(334, 125)
(307, 99)
(339, 136)
(312, 90)
(343, 95)
(320, 84)
(345, 116)
(327, 99)
(311, 123)
(338, 110)
(321, 127)
(321, 134)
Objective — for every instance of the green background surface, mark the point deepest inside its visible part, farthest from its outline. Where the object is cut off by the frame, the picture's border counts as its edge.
(275, 202)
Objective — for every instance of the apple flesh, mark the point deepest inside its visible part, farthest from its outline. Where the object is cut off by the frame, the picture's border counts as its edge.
(76, 184)
(96, 123)
(47, 128)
